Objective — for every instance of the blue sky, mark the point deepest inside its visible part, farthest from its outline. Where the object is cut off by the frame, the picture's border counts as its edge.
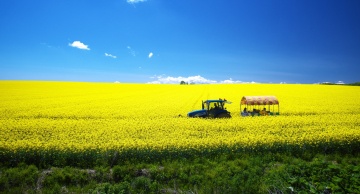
(166, 41)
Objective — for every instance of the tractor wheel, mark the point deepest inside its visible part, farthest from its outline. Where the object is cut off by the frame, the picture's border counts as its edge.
(224, 115)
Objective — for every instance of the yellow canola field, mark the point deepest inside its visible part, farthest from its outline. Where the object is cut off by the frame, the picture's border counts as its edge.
(77, 117)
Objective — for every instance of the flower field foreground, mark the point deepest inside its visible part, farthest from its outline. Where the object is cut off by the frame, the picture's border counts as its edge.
(55, 121)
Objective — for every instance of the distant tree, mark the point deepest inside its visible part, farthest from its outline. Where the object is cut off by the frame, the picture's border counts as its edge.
(355, 84)
(327, 83)
(183, 83)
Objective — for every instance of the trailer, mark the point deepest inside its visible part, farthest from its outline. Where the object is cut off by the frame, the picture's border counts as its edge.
(259, 106)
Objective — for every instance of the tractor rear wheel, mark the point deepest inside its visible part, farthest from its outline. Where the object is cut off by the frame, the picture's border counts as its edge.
(223, 115)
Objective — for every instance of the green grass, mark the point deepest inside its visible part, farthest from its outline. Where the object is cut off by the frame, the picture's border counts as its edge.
(240, 173)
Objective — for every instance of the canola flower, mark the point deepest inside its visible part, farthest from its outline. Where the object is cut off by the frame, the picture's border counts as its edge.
(140, 118)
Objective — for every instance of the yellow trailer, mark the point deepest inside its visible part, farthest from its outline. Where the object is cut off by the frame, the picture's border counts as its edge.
(259, 105)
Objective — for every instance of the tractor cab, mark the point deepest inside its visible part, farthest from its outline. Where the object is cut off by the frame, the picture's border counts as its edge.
(212, 109)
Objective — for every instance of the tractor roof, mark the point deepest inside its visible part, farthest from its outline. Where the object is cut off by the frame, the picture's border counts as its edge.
(209, 101)
(213, 101)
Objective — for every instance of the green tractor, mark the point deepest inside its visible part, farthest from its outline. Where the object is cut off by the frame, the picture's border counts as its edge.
(212, 109)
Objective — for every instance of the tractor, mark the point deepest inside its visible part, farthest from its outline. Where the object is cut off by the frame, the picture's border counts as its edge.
(212, 109)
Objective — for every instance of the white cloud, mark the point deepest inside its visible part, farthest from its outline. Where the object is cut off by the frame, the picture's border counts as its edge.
(79, 45)
(110, 55)
(135, 1)
(230, 81)
(162, 79)
(176, 80)
(131, 51)
(151, 54)
(338, 82)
